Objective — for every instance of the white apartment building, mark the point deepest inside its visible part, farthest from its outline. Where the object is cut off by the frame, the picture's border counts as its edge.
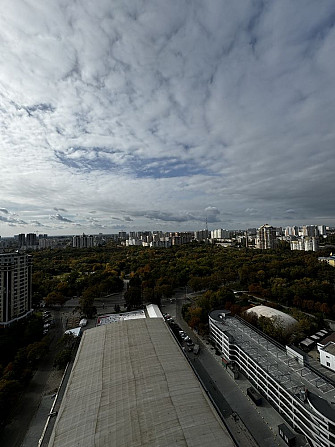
(219, 233)
(292, 231)
(302, 395)
(306, 243)
(133, 241)
(322, 230)
(15, 287)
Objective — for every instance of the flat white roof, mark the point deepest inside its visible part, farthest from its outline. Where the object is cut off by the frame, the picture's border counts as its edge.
(153, 311)
(131, 386)
(115, 318)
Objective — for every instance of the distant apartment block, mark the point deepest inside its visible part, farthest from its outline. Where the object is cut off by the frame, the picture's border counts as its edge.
(122, 235)
(219, 233)
(28, 241)
(83, 241)
(291, 231)
(306, 243)
(15, 287)
(31, 240)
(266, 237)
(181, 238)
(201, 235)
(322, 230)
(22, 240)
(133, 241)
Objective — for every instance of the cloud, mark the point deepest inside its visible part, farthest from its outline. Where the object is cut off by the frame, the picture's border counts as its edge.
(167, 107)
(3, 210)
(12, 220)
(251, 211)
(210, 213)
(38, 224)
(60, 218)
(61, 209)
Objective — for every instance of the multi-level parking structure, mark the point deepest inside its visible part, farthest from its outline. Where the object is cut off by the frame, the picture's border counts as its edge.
(303, 397)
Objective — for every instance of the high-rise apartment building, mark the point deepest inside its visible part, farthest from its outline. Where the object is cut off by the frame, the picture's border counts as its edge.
(83, 241)
(31, 240)
(22, 240)
(219, 233)
(15, 287)
(201, 235)
(305, 243)
(292, 231)
(266, 237)
(322, 230)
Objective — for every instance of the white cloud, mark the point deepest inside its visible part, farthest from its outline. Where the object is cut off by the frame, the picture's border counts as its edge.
(128, 106)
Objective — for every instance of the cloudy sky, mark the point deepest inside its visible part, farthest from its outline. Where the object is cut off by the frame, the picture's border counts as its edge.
(153, 114)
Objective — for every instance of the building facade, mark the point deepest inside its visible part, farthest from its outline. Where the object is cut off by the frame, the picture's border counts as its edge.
(266, 237)
(305, 243)
(15, 287)
(327, 355)
(83, 241)
(302, 395)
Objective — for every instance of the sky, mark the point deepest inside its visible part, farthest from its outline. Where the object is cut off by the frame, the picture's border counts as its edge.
(126, 115)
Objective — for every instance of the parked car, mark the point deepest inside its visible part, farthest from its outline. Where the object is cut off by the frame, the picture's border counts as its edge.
(83, 322)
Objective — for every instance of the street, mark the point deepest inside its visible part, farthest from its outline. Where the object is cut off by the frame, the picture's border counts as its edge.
(249, 425)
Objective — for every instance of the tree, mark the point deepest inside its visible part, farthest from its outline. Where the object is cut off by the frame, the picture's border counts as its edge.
(54, 298)
(62, 358)
(133, 297)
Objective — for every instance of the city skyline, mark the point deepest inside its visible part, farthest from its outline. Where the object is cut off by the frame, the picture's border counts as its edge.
(151, 115)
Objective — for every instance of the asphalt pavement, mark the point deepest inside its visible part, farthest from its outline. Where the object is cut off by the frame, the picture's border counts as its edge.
(250, 425)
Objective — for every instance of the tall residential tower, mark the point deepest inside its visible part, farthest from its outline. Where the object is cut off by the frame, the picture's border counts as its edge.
(15, 287)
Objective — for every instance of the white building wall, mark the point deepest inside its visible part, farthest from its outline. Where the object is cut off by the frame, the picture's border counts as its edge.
(327, 359)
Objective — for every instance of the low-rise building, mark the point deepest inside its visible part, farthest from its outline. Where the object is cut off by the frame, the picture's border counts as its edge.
(327, 355)
(132, 386)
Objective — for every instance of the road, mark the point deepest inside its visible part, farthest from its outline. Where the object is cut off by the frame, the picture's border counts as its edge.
(253, 425)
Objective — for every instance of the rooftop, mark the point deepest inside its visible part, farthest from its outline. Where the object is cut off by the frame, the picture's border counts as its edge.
(274, 359)
(330, 348)
(131, 386)
(269, 312)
